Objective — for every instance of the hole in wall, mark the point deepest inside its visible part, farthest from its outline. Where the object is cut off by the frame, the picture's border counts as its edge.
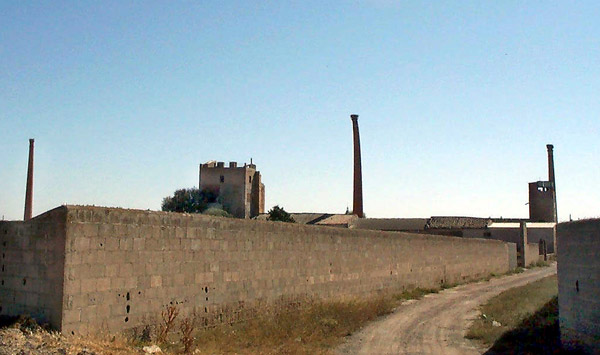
(206, 289)
(139, 292)
(24, 282)
(72, 332)
(0, 309)
(2, 268)
(101, 245)
(207, 298)
(128, 297)
(126, 319)
(128, 308)
(577, 285)
(2, 282)
(205, 309)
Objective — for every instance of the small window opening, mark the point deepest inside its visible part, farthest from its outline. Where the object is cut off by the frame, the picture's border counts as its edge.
(222, 178)
(249, 178)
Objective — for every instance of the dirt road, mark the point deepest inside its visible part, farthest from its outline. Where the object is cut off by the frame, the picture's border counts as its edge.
(437, 323)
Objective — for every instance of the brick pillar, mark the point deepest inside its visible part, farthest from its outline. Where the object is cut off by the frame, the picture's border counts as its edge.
(357, 205)
(29, 187)
(523, 262)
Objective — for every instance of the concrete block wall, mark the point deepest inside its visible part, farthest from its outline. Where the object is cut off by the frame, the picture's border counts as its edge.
(578, 257)
(32, 267)
(532, 254)
(121, 267)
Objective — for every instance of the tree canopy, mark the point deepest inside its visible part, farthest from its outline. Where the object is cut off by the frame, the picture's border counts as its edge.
(190, 200)
(279, 214)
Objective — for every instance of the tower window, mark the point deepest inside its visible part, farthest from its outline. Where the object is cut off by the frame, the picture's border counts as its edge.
(249, 178)
(222, 178)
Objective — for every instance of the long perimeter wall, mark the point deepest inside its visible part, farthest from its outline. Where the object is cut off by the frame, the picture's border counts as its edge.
(111, 269)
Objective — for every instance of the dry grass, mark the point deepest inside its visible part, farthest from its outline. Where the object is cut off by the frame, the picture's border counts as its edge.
(18, 335)
(416, 293)
(539, 263)
(510, 308)
(536, 334)
(313, 330)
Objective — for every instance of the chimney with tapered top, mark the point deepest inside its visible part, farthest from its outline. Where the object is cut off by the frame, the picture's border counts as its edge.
(357, 205)
(29, 187)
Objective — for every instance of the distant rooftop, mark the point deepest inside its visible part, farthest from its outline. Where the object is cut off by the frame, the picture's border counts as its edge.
(448, 222)
(391, 224)
(320, 219)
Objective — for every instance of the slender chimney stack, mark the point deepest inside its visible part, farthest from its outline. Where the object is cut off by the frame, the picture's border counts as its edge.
(551, 178)
(357, 205)
(550, 148)
(29, 188)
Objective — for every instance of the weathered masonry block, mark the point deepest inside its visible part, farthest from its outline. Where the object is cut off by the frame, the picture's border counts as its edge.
(579, 284)
(91, 269)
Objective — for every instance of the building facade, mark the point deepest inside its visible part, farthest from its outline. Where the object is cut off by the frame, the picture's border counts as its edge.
(239, 189)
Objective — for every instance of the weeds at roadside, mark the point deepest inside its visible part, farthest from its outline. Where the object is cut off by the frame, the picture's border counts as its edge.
(539, 263)
(502, 309)
(311, 330)
(414, 294)
(537, 334)
(187, 327)
(168, 316)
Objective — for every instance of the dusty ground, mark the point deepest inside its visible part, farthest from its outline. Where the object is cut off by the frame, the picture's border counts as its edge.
(437, 323)
(14, 341)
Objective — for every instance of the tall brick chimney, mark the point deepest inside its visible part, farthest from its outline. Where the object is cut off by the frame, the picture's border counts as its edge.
(550, 148)
(551, 178)
(29, 188)
(357, 205)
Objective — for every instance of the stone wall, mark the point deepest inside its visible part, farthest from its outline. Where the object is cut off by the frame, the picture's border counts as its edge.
(532, 254)
(32, 267)
(579, 283)
(121, 267)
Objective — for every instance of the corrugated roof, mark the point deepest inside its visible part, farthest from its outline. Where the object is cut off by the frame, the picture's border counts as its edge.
(448, 222)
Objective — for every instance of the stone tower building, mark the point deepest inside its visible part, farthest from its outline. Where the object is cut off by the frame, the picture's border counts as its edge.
(542, 195)
(239, 189)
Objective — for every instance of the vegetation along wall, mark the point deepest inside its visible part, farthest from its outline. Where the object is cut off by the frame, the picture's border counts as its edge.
(107, 269)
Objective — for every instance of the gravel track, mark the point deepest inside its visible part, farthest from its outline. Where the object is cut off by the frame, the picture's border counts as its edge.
(437, 323)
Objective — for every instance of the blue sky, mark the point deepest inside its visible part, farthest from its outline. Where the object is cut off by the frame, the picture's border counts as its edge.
(457, 101)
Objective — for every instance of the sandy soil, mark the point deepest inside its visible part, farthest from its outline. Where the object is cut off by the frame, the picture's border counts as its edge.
(437, 323)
